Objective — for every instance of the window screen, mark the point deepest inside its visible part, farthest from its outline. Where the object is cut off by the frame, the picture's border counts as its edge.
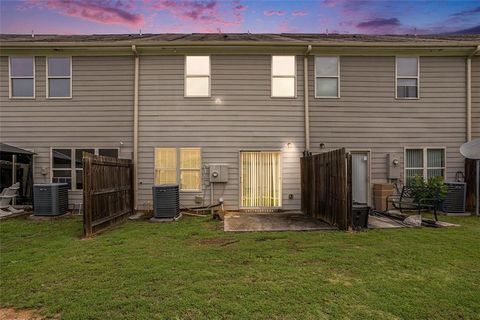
(190, 169)
(327, 77)
(165, 166)
(22, 79)
(283, 76)
(184, 163)
(407, 77)
(197, 76)
(67, 164)
(108, 153)
(59, 77)
(62, 166)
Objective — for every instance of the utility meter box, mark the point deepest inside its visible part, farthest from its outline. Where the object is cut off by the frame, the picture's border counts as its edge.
(218, 173)
(393, 166)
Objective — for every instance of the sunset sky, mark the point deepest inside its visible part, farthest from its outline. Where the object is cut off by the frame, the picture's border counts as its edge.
(301, 16)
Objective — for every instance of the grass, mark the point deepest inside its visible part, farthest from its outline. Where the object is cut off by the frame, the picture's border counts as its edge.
(193, 270)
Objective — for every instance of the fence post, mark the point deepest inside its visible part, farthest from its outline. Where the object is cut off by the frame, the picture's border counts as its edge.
(87, 184)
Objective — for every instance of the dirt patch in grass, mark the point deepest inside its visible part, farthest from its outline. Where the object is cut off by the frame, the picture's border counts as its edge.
(27, 314)
(268, 238)
(222, 242)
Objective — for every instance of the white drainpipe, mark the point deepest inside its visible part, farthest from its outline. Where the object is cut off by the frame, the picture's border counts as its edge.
(135, 128)
(306, 98)
(469, 93)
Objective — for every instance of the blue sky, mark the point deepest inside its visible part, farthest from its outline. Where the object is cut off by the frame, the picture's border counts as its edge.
(301, 16)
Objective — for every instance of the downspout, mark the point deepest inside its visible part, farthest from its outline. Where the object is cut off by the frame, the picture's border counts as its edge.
(135, 128)
(306, 99)
(469, 93)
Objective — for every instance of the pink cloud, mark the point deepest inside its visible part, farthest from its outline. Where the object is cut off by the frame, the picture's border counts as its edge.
(241, 7)
(207, 12)
(106, 12)
(299, 13)
(270, 13)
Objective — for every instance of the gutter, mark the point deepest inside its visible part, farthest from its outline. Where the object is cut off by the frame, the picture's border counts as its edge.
(135, 127)
(469, 92)
(306, 99)
(152, 43)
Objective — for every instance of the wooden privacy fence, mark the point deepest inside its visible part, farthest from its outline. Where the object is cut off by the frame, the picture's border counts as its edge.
(326, 187)
(470, 179)
(107, 192)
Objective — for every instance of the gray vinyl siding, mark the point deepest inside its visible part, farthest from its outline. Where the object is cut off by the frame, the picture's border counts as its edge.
(367, 116)
(248, 118)
(476, 98)
(100, 113)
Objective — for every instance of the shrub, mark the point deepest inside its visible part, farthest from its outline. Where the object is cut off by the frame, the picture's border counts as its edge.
(433, 188)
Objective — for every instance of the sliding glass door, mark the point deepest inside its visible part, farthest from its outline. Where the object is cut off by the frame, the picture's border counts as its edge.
(261, 179)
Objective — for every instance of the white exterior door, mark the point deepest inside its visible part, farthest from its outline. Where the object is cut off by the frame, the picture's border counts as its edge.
(260, 179)
(360, 177)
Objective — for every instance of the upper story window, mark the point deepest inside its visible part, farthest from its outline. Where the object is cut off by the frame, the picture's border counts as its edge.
(327, 77)
(283, 76)
(22, 77)
(407, 73)
(59, 77)
(197, 76)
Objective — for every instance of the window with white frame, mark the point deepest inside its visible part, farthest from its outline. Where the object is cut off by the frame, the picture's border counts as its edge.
(283, 76)
(59, 77)
(407, 77)
(197, 76)
(182, 164)
(424, 162)
(22, 77)
(67, 166)
(327, 77)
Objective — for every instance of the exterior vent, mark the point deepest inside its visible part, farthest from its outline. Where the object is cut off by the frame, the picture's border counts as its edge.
(455, 199)
(166, 201)
(50, 199)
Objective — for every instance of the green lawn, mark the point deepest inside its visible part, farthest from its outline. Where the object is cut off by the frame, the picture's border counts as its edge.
(193, 270)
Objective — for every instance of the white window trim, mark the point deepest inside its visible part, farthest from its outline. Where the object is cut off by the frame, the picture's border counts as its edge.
(338, 78)
(57, 77)
(10, 79)
(425, 163)
(185, 76)
(294, 77)
(72, 168)
(177, 159)
(417, 78)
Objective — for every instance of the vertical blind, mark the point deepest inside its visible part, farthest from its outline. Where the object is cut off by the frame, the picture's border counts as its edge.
(261, 179)
(426, 163)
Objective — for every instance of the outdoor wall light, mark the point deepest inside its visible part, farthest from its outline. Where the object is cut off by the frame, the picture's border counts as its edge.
(289, 145)
(322, 145)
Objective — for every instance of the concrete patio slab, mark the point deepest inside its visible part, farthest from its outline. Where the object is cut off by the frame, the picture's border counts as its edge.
(278, 221)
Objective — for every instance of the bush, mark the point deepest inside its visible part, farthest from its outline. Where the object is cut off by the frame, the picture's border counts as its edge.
(433, 188)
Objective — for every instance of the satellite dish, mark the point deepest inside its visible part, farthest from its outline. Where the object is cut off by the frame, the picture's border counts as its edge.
(471, 150)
